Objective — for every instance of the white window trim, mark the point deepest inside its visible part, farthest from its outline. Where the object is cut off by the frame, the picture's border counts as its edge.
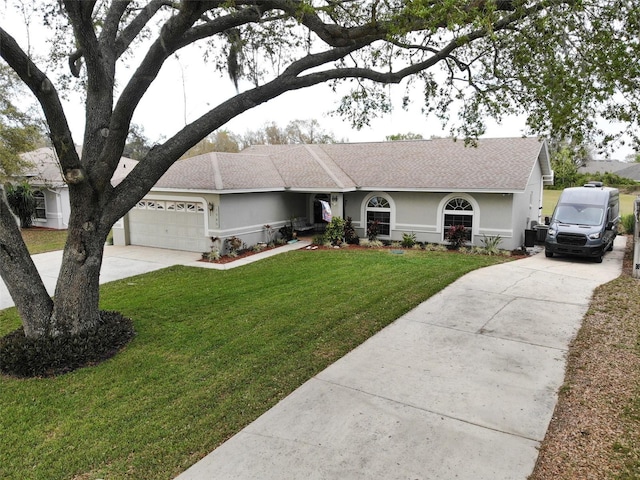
(476, 213)
(44, 201)
(392, 211)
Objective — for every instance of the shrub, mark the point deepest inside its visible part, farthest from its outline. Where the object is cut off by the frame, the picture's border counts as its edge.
(628, 222)
(434, 247)
(213, 255)
(46, 357)
(22, 202)
(233, 244)
(350, 235)
(319, 239)
(457, 236)
(371, 243)
(491, 245)
(335, 231)
(286, 232)
(372, 230)
(408, 240)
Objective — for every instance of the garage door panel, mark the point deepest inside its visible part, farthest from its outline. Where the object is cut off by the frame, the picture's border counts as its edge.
(178, 230)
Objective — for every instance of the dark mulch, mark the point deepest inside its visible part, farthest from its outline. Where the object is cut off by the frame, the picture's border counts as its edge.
(51, 356)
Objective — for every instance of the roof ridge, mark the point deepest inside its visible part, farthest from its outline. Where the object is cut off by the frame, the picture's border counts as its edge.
(324, 166)
(217, 175)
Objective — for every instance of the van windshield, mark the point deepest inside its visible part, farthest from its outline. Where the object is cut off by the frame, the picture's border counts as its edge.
(590, 215)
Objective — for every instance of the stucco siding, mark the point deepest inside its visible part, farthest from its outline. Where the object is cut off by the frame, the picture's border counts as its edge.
(245, 214)
(422, 213)
(56, 208)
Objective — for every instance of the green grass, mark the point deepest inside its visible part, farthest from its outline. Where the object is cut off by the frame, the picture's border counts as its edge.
(40, 240)
(550, 199)
(214, 350)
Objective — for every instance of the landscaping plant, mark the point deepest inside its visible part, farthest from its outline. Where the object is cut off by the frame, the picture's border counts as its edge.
(456, 236)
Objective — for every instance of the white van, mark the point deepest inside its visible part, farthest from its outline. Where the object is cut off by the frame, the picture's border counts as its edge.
(585, 222)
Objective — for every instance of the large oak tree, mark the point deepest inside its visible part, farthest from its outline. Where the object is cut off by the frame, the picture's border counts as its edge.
(558, 60)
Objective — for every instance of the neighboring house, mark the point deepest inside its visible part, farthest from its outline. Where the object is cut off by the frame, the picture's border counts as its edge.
(421, 187)
(50, 190)
(630, 170)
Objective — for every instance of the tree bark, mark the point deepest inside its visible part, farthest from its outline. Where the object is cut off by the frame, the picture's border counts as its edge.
(22, 278)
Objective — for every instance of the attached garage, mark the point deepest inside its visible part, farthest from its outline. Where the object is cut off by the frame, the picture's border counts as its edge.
(172, 224)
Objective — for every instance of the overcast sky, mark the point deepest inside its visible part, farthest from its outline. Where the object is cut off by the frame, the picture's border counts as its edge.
(186, 88)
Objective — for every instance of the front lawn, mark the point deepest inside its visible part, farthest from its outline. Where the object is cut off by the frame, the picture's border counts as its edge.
(214, 350)
(40, 240)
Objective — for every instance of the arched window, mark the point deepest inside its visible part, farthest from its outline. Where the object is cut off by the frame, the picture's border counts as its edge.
(41, 206)
(379, 209)
(458, 211)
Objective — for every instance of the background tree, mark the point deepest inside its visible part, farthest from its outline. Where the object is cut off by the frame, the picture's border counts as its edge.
(20, 130)
(403, 136)
(138, 145)
(296, 132)
(219, 141)
(565, 167)
(585, 55)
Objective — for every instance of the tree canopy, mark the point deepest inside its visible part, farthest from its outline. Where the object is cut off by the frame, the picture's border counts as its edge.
(562, 62)
(20, 130)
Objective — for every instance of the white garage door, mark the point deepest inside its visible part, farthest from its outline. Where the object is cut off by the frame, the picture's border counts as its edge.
(177, 225)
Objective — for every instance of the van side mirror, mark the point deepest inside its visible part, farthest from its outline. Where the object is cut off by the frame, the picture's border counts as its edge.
(609, 225)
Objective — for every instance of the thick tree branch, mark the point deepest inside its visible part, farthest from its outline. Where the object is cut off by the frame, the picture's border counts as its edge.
(134, 28)
(46, 95)
(21, 276)
(112, 21)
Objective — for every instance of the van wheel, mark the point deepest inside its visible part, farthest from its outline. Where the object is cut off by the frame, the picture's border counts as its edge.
(548, 254)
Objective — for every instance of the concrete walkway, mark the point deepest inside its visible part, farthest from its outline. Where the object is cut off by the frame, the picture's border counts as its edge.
(463, 386)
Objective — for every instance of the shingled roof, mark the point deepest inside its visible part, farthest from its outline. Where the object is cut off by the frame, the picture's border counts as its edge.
(44, 168)
(497, 164)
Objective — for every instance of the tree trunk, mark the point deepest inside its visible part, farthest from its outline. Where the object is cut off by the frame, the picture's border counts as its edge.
(22, 278)
(76, 301)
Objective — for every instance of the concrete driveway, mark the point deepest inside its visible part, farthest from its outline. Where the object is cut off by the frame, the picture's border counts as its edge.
(126, 261)
(463, 386)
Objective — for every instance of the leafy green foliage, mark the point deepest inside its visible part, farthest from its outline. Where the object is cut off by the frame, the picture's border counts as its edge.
(628, 223)
(565, 168)
(408, 240)
(22, 202)
(334, 232)
(491, 244)
(19, 130)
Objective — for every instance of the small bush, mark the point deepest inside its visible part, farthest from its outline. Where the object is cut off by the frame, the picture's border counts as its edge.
(628, 222)
(318, 239)
(408, 240)
(350, 235)
(491, 245)
(457, 236)
(233, 244)
(47, 357)
(435, 247)
(371, 243)
(372, 230)
(335, 231)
